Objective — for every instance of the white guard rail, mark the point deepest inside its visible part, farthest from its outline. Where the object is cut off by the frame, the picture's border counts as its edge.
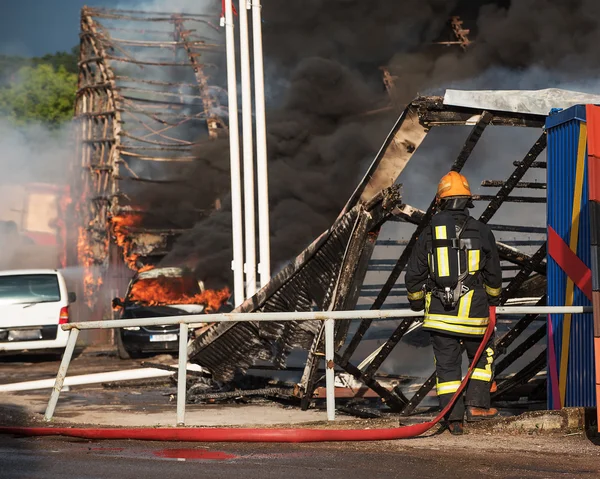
(328, 316)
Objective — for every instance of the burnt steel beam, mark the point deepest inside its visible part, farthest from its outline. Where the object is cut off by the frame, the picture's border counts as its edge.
(517, 257)
(522, 276)
(518, 328)
(522, 376)
(519, 229)
(535, 164)
(534, 185)
(278, 392)
(511, 199)
(419, 396)
(515, 178)
(520, 350)
(395, 400)
(433, 112)
(389, 346)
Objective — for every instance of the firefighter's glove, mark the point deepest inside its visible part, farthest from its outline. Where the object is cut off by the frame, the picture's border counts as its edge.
(494, 300)
(417, 300)
(417, 305)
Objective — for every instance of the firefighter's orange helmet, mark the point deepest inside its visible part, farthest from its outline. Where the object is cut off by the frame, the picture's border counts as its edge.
(453, 184)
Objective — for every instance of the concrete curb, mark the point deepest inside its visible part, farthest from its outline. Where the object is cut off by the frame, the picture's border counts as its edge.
(564, 421)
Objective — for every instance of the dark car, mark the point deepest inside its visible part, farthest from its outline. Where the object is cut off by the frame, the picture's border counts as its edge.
(145, 295)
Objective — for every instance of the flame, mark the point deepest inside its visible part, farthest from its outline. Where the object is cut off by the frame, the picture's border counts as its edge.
(163, 290)
(148, 267)
(121, 225)
(91, 283)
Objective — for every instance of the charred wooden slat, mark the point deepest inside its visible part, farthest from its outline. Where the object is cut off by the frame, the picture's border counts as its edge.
(519, 229)
(213, 122)
(522, 376)
(419, 396)
(517, 257)
(195, 398)
(520, 350)
(389, 346)
(535, 164)
(433, 112)
(518, 328)
(500, 183)
(515, 178)
(117, 15)
(392, 398)
(159, 102)
(511, 199)
(520, 278)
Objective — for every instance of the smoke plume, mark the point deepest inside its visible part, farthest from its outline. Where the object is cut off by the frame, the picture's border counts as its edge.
(322, 64)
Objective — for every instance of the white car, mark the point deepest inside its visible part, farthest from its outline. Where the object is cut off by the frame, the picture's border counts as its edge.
(33, 305)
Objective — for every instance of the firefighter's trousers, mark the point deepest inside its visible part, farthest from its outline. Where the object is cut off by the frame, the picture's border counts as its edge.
(448, 361)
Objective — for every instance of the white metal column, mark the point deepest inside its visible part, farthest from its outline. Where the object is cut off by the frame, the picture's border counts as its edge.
(247, 134)
(234, 152)
(261, 147)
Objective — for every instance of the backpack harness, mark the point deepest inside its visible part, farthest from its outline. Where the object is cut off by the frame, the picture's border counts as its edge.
(447, 282)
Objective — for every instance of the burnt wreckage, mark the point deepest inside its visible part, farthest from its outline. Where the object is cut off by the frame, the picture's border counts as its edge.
(148, 98)
(329, 274)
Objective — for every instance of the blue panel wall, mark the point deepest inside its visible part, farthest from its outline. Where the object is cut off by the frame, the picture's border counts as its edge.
(563, 138)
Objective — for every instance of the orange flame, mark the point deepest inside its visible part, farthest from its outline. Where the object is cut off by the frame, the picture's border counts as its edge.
(121, 225)
(165, 290)
(91, 283)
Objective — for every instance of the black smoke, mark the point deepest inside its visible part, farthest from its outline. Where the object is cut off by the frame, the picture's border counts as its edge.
(322, 61)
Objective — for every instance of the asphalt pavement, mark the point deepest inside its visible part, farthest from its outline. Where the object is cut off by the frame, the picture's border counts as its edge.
(60, 458)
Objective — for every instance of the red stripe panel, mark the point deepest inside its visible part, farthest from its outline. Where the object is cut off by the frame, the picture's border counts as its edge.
(570, 263)
(594, 177)
(593, 126)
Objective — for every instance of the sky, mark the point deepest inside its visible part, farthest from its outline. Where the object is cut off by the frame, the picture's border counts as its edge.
(37, 27)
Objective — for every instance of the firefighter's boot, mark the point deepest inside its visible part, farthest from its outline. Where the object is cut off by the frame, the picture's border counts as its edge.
(479, 413)
(456, 428)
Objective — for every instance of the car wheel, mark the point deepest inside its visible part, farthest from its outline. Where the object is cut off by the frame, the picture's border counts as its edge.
(123, 353)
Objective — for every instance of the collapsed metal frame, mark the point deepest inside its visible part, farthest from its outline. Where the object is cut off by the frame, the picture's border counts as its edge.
(353, 254)
(133, 111)
(526, 264)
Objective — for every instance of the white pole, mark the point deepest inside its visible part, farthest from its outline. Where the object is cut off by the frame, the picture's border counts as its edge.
(234, 153)
(182, 373)
(249, 220)
(62, 373)
(261, 147)
(330, 371)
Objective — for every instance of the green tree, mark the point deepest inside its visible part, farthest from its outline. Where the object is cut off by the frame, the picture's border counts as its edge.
(39, 94)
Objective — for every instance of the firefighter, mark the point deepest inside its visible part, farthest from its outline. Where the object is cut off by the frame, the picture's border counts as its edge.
(454, 274)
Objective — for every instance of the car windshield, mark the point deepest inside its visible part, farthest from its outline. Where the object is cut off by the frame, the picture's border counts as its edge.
(29, 288)
(164, 290)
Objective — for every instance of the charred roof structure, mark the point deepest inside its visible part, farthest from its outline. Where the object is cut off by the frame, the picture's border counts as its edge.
(148, 96)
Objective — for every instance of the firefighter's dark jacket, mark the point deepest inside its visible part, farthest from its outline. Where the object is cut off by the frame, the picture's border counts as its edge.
(470, 317)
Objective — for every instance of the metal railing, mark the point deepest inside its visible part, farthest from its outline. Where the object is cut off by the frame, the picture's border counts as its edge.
(328, 316)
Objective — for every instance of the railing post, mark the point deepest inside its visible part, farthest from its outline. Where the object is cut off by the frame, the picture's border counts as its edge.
(62, 373)
(330, 371)
(182, 376)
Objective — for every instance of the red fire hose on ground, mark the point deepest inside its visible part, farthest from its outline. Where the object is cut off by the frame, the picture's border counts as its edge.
(256, 435)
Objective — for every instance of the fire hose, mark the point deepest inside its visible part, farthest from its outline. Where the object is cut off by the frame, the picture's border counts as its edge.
(258, 435)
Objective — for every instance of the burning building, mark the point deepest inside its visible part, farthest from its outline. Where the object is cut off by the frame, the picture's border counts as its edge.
(148, 98)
